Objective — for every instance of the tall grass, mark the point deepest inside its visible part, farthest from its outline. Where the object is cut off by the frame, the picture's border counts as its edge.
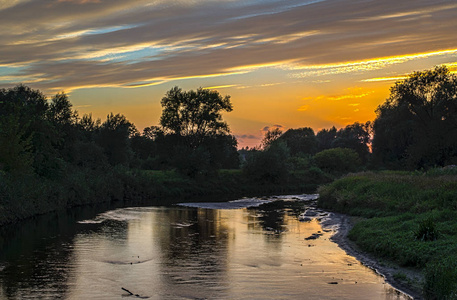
(408, 217)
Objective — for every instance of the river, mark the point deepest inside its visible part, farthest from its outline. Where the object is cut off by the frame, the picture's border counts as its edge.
(249, 249)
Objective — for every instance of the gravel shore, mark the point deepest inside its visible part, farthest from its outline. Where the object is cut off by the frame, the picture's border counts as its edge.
(342, 225)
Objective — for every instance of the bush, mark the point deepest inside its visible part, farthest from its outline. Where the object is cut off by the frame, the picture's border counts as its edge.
(427, 230)
(441, 280)
(338, 160)
(269, 165)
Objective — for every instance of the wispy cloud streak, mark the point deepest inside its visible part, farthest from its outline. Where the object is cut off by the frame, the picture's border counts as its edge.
(81, 43)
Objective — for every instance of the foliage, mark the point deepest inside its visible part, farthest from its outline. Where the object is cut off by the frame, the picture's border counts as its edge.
(15, 150)
(325, 138)
(338, 160)
(35, 137)
(270, 136)
(194, 114)
(409, 219)
(301, 162)
(269, 165)
(441, 279)
(193, 138)
(424, 110)
(113, 136)
(355, 136)
(300, 141)
(426, 230)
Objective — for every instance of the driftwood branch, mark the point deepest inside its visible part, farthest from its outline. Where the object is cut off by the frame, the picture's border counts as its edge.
(128, 291)
(132, 294)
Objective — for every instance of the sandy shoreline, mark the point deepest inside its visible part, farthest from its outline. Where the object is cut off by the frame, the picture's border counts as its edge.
(342, 224)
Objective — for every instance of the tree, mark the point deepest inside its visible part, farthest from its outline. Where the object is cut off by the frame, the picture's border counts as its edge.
(338, 160)
(60, 110)
(15, 151)
(270, 136)
(300, 141)
(114, 136)
(417, 125)
(194, 114)
(192, 137)
(36, 134)
(325, 138)
(356, 136)
(88, 124)
(270, 165)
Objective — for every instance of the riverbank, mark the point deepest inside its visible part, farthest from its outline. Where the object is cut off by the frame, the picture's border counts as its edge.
(28, 196)
(404, 279)
(401, 219)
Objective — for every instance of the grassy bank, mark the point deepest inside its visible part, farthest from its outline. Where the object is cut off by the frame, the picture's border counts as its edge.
(407, 218)
(31, 195)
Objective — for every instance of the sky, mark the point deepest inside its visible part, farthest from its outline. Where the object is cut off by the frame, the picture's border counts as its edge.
(285, 63)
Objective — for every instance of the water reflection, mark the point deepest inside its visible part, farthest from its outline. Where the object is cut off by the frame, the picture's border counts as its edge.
(181, 253)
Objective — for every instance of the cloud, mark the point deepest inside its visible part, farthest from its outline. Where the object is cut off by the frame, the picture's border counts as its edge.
(80, 1)
(220, 87)
(348, 96)
(303, 108)
(361, 66)
(268, 128)
(80, 43)
(247, 136)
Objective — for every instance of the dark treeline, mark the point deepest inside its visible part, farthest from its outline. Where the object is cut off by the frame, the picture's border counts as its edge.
(45, 138)
(407, 218)
(415, 129)
(327, 154)
(50, 152)
(50, 157)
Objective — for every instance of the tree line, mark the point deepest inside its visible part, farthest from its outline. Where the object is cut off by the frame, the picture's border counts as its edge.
(415, 128)
(46, 137)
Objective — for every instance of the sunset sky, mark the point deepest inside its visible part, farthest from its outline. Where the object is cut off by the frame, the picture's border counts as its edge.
(289, 64)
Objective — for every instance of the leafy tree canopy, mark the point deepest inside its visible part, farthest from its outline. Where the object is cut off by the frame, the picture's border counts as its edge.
(270, 136)
(194, 114)
(300, 141)
(417, 125)
(338, 160)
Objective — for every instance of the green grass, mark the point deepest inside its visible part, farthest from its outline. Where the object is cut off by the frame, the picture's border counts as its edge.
(31, 195)
(407, 217)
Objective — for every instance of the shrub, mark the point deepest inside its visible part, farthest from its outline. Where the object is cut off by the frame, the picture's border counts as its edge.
(441, 280)
(269, 165)
(338, 160)
(427, 230)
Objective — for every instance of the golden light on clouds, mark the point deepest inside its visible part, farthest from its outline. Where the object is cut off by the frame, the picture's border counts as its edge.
(349, 96)
(303, 108)
(290, 63)
(388, 78)
(219, 87)
(361, 66)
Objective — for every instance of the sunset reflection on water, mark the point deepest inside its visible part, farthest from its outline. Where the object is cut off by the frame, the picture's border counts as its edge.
(196, 253)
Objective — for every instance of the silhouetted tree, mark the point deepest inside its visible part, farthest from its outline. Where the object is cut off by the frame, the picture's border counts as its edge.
(89, 125)
(15, 150)
(60, 110)
(29, 108)
(417, 125)
(270, 165)
(325, 138)
(270, 136)
(338, 160)
(192, 137)
(194, 114)
(114, 136)
(300, 141)
(356, 136)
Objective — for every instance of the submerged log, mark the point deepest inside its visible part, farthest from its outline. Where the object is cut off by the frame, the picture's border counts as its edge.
(127, 291)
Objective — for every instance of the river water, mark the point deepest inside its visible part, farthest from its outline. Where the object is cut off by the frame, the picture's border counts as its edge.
(249, 249)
